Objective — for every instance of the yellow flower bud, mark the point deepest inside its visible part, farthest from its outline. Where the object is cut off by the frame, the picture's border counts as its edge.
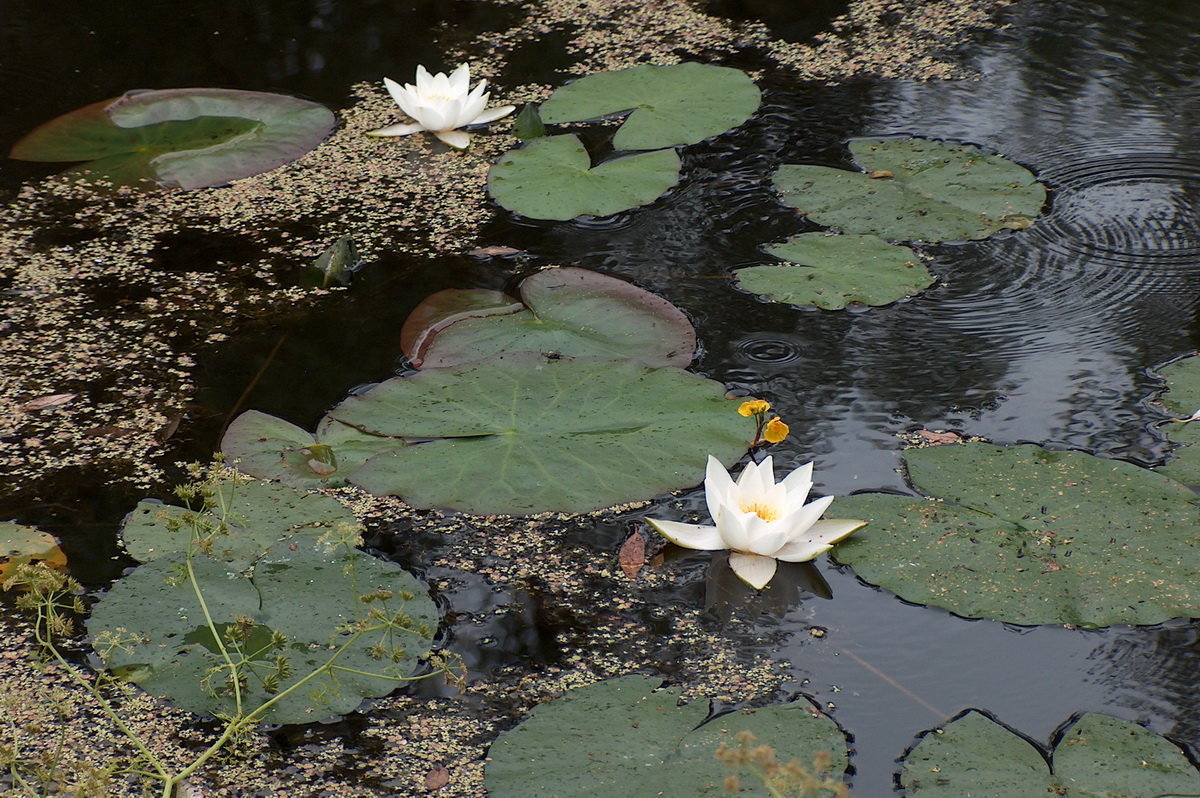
(775, 431)
(753, 407)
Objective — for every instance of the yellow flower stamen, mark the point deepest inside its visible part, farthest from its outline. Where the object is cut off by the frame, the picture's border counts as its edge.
(753, 407)
(775, 431)
(764, 511)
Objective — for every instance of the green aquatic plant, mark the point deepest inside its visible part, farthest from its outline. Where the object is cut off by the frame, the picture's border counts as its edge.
(1096, 755)
(671, 105)
(285, 626)
(553, 178)
(1027, 535)
(180, 138)
(913, 189)
(628, 736)
(834, 271)
(1182, 396)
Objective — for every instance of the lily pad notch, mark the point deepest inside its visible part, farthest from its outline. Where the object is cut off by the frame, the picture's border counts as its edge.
(553, 178)
(180, 138)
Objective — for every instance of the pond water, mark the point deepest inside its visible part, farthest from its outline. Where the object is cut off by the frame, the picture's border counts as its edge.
(1045, 336)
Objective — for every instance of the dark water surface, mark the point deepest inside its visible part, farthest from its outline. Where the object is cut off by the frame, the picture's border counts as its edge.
(1047, 335)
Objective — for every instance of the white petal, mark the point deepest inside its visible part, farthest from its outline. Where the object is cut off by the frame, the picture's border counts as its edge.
(731, 525)
(458, 139)
(690, 536)
(752, 569)
(802, 519)
(802, 550)
(819, 539)
(395, 89)
(764, 538)
(799, 477)
(460, 79)
(424, 80)
(396, 130)
(433, 117)
(492, 114)
(718, 486)
(472, 106)
(755, 478)
(796, 497)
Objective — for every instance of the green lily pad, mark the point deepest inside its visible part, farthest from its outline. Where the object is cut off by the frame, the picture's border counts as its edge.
(267, 447)
(1032, 536)
(922, 190)
(1182, 394)
(287, 618)
(672, 105)
(837, 271)
(624, 737)
(1184, 465)
(522, 433)
(552, 178)
(181, 138)
(567, 311)
(241, 520)
(1098, 757)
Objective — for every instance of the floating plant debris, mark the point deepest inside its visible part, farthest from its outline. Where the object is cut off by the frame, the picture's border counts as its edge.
(625, 737)
(1096, 755)
(567, 311)
(180, 138)
(835, 271)
(282, 604)
(1032, 536)
(672, 105)
(913, 189)
(553, 178)
(335, 266)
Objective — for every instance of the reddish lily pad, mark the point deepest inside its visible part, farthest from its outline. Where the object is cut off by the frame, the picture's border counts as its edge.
(180, 138)
(568, 312)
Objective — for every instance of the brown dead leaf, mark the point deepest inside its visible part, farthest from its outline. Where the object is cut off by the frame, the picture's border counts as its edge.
(939, 437)
(163, 433)
(495, 251)
(879, 174)
(632, 555)
(109, 432)
(436, 779)
(51, 400)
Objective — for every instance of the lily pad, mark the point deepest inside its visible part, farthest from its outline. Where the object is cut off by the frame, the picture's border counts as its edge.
(914, 189)
(241, 520)
(267, 447)
(671, 105)
(1098, 757)
(1182, 394)
(1032, 536)
(287, 617)
(24, 544)
(837, 271)
(567, 311)
(553, 178)
(624, 737)
(522, 433)
(181, 138)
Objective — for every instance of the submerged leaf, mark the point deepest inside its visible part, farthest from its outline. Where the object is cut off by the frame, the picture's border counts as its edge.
(181, 138)
(24, 544)
(568, 312)
(672, 105)
(624, 737)
(528, 124)
(1097, 756)
(521, 433)
(835, 271)
(267, 447)
(552, 178)
(932, 192)
(1032, 536)
(336, 265)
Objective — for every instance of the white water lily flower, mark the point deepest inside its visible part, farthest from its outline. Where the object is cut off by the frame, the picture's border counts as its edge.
(442, 104)
(760, 520)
